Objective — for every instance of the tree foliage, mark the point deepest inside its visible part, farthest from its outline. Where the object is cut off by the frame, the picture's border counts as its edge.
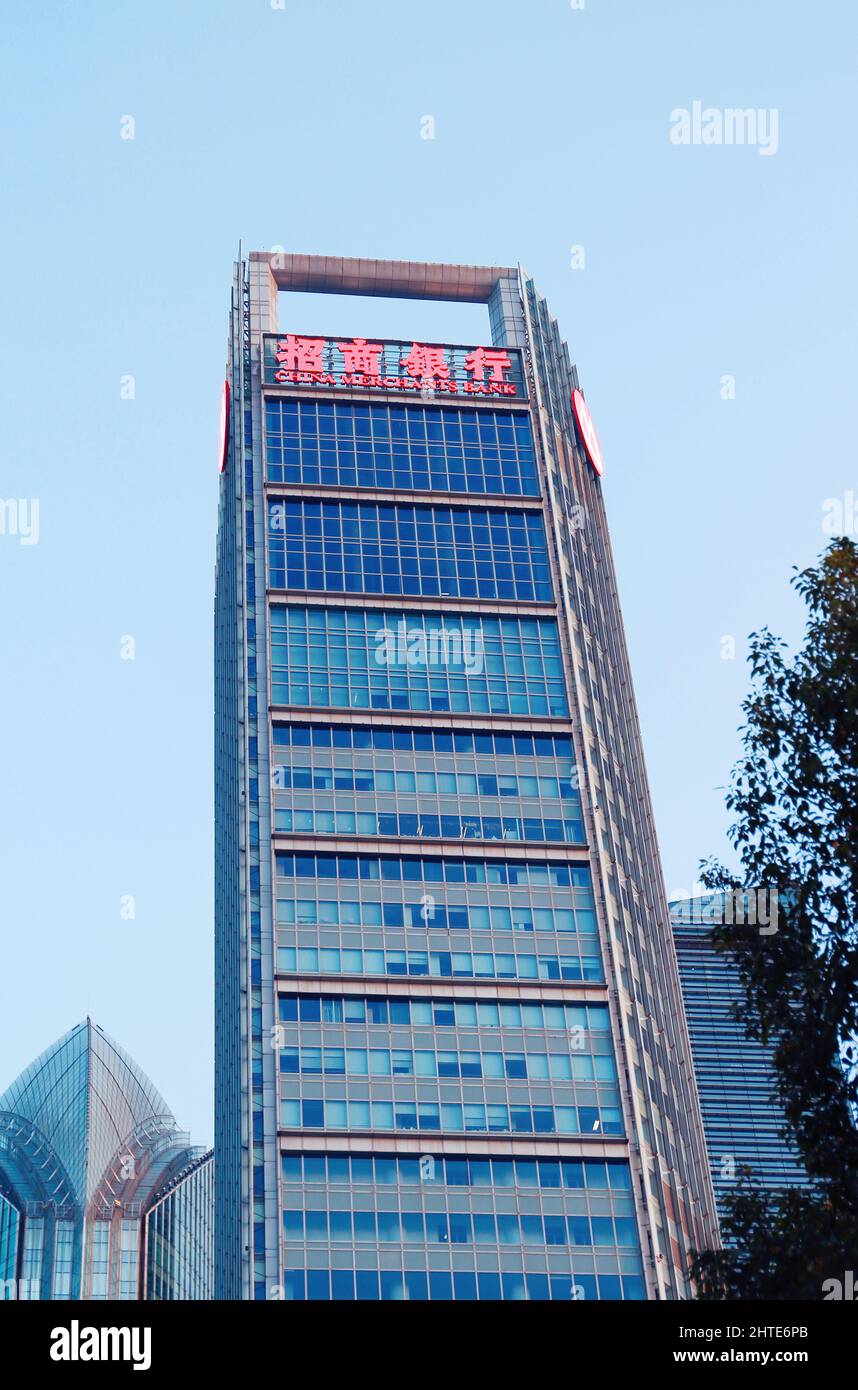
(794, 798)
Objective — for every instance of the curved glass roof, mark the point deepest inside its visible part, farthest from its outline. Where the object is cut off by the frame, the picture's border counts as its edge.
(87, 1097)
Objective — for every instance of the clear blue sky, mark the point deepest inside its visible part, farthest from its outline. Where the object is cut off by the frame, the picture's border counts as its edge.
(300, 127)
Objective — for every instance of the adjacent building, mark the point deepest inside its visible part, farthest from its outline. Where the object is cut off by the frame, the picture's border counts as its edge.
(742, 1119)
(101, 1195)
(451, 1056)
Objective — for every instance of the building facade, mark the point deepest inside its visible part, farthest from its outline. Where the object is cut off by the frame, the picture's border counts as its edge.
(451, 1058)
(742, 1120)
(101, 1196)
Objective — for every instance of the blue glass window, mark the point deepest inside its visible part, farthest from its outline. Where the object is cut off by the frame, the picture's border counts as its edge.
(413, 447)
(372, 659)
(343, 547)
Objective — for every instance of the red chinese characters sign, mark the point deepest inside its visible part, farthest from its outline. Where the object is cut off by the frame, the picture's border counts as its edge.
(298, 360)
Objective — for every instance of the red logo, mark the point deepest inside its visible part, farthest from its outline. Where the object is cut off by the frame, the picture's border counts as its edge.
(588, 431)
(223, 444)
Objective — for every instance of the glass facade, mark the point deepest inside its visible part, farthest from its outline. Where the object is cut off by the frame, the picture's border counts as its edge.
(419, 448)
(236, 810)
(408, 789)
(10, 1223)
(395, 1227)
(742, 1118)
(33, 1257)
(459, 552)
(87, 1149)
(444, 918)
(549, 1068)
(394, 660)
(179, 1239)
(423, 1081)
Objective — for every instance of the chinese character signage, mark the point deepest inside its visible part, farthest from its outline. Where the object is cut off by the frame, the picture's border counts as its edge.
(293, 359)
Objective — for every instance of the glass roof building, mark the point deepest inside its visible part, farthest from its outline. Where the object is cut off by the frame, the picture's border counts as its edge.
(742, 1119)
(451, 1056)
(101, 1195)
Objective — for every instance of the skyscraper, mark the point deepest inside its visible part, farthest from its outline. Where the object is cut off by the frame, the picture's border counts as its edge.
(101, 1195)
(451, 1058)
(742, 1119)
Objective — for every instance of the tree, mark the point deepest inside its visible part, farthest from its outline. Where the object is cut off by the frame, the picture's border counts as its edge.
(777, 1246)
(794, 795)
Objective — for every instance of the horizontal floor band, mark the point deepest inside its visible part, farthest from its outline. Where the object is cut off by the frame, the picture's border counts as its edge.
(361, 986)
(488, 607)
(420, 719)
(405, 496)
(292, 1141)
(524, 851)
